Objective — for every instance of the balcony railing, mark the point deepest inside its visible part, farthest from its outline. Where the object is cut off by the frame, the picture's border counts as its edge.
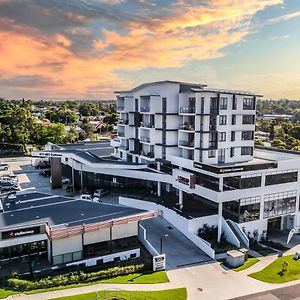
(187, 110)
(147, 124)
(145, 109)
(124, 148)
(147, 154)
(121, 134)
(120, 108)
(186, 144)
(190, 127)
(145, 139)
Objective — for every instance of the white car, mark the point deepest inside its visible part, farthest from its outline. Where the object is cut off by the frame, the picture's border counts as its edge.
(89, 197)
(64, 180)
(100, 193)
(3, 166)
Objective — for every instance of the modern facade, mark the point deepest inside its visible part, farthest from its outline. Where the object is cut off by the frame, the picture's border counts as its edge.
(191, 148)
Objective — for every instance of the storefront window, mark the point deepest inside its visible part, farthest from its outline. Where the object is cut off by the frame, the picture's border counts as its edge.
(241, 182)
(282, 177)
(280, 204)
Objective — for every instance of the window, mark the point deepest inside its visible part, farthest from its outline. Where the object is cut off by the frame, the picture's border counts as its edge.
(248, 119)
(242, 182)
(232, 151)
(246, 150)
(222, 136)
(247, 135)
(248, 103)
(234, 102)
(212, 143)
(233, 120)
(280, 203)
(211, 153)
(281, 177)
(232, 136)
(223, 103)
(221, 155)
(222, 120)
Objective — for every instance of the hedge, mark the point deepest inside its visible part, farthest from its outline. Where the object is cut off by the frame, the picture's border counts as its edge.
(72, 278)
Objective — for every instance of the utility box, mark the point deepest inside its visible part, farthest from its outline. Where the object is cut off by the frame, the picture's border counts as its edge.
(235, 258)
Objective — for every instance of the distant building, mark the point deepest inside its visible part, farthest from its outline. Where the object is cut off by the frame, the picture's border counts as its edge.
(263, 136)
(274, 117)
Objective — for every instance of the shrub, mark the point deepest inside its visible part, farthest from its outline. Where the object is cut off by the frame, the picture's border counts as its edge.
(72, 278)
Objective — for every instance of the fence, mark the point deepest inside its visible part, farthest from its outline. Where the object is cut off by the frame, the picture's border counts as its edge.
(116, 294)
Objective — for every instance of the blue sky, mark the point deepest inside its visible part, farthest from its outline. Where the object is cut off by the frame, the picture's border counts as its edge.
(86, 49)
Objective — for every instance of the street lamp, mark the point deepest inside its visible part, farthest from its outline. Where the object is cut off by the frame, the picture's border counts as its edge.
(161, 242)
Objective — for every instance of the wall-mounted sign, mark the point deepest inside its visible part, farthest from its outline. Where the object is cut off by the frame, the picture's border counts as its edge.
(20, 232)
(159, 262)
(184, 179)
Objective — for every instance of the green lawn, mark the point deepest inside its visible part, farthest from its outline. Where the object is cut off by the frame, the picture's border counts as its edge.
(272, 273)
(178, 294)
(248, 263)
(155, 277)
(5, 293)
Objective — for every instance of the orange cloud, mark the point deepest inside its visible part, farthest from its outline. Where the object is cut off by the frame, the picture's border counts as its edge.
(189, 33)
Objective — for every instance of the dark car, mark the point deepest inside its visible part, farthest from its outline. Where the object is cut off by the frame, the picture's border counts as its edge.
(7, 187)
(43, 165)
(46, 173)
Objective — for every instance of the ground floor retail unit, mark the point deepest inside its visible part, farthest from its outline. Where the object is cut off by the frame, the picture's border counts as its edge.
(64, 231)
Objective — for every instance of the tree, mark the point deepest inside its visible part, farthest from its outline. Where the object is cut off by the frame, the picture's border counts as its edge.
(277, 143)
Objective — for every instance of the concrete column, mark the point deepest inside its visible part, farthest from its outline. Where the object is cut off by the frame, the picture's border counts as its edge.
(221, 184)
(158, 188)
(73, 175)
(220, 208)
(180, 202)
(81, 179)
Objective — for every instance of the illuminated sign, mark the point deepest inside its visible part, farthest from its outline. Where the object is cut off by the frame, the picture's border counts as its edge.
(19, 233)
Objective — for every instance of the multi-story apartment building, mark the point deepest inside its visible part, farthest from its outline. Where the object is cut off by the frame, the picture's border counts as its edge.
(191, 148)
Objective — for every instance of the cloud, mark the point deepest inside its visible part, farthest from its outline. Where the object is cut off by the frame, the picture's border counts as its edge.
(281, 37)
(284, 17)
(80, 46)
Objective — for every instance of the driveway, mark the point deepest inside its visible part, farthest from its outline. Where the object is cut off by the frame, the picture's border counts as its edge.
(180, 251)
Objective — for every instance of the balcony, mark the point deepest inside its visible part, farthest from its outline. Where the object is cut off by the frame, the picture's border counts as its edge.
(125, 148)
(147, 154)
(145, 139)
(189, 127)
(187, 110)
(147, 124)
(121, 134)
(188, 144)
(120, 108)
(145, 109)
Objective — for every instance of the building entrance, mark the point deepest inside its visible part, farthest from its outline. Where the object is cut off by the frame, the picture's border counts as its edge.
(274, 225)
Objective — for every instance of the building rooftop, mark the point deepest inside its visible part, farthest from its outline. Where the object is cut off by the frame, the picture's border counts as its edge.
(38, 208)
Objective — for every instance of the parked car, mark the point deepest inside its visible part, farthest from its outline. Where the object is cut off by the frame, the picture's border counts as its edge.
(89, 197)
(46, 173)
(6, 178)
(100, 193)
(3, 166)
(44, 164)
(69, 188)
(64, 180)
(8, 186)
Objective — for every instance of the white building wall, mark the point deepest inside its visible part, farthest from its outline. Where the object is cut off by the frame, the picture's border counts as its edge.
(96, 236)
(67, 245)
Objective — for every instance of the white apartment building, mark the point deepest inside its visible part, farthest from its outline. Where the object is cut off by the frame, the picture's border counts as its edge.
(190, 148)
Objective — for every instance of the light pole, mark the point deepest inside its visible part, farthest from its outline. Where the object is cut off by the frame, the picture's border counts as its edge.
(161, 242)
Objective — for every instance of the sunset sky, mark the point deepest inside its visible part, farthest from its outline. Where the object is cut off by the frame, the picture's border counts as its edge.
(86, 49)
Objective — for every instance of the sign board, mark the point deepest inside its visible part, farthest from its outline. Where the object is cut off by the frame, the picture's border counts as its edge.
(20, 232)
(159, 262)
(291, 233)
(184, 179)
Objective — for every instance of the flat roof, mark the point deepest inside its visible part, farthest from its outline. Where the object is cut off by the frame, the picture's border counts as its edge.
(36, 208)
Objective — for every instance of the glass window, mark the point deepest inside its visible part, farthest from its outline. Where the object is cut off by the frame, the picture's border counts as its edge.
(233, 120)
(223, 103)
(248, 104)
(279, 204)
(221, 155)
(248, 119)
(223, 120)
(234, 102)
(58, 259)
(232, 151)
(281, 177)
(241, 182)
(77, 255)
(246, 150)
(247, 135)
(67, 257)
(232, 136)
(222, 136)
(211, 153)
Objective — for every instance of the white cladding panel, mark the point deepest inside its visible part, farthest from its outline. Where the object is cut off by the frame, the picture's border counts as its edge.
(96, 236)
(124, 230)
(67, 245)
